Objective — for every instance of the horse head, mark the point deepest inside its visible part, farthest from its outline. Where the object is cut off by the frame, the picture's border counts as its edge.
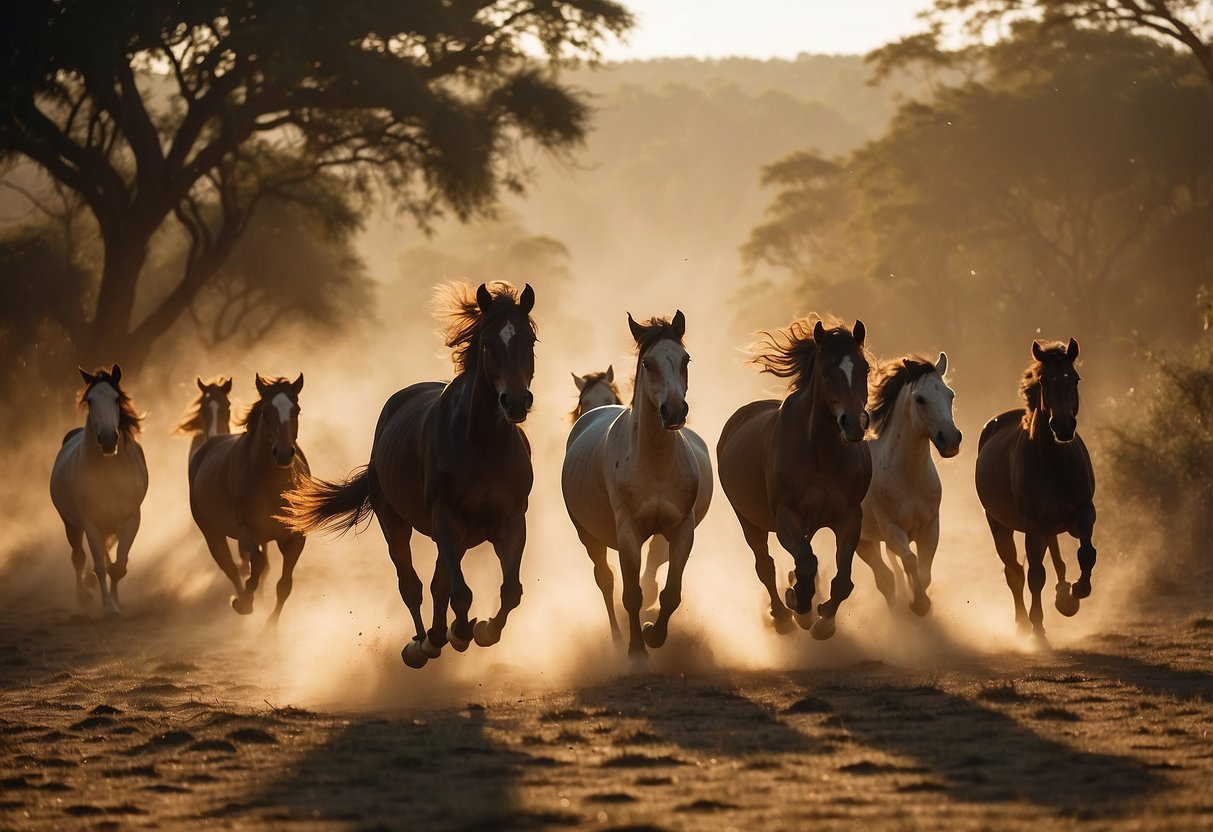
(278, 416)
(842, 377)
(932, 409)
(215, 405)
(103, 397)
(661, 368)
(507, 347)
(595, 390)
(1057, 382)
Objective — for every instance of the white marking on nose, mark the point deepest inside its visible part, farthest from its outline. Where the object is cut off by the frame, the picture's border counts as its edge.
(283, 402)
(848, 367)
(507, 332)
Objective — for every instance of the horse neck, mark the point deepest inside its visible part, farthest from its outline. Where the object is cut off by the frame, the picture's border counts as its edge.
(810, 424)
(1042, 440)
(903, 439)
(653, 443)
(256, 450)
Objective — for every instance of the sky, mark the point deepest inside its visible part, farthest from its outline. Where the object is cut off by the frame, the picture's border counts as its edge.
(764, 28)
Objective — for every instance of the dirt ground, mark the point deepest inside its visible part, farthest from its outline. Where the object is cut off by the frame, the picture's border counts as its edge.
(157, 721)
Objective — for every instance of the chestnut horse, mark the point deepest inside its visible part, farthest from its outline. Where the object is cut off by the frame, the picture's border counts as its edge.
(450, 461)
(237, 488)
(800, 465)
(208, 415)
(1034, 476)
(634, 473)
(98, 484)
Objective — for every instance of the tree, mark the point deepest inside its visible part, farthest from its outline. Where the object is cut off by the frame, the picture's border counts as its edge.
(200, 110)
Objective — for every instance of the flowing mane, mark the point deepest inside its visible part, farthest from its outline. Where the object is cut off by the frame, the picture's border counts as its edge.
(130, 421)
(193, 421)
(590, 380)
(272, 387)
(1029, 386)
(456, 307)
(651, 331)
(891, 378)
(791, 352)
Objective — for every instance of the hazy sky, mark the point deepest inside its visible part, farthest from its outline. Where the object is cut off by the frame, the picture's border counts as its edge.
(764, 28)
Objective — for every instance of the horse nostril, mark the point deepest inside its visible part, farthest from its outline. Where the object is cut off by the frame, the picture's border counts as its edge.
(530, 399)
(505, 401)
(939, 438)
(665, 413)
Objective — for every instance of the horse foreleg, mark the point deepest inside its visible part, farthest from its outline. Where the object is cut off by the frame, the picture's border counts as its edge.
(1086, 551)
(603, 576)
(658, 553)
(869, 553)
(1064, 600)
(1034, 547)
(764, 565)
(440, 595)
(846, 533)
(790, 531)
(681, 541)
(126, 536)
(509, 545)
(216, 542)
(629, 573)
(291, 548)
(1004, 544)
(258, 561)
(75, 537)
(97, 544)
(899, 542)
(451, 553)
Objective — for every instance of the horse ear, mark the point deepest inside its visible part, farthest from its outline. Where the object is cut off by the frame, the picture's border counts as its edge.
(941, 366)
(116, 371)
(526, 301)
(819, 332)
(88, 377)
(261, 384)
(610, 373)
(579, 381)
(680, 324)
(637, 329)
(484, 299)
(1072, 350)
(198, 381)
(859, 332)
(226, 387)
(1037, 352)
(297, 385)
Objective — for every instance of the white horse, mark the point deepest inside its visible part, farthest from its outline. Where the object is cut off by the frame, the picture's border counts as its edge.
(634, 472)
(99, 482)
(912, 410)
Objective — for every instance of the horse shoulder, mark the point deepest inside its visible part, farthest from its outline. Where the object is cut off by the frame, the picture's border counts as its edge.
(1003, 423)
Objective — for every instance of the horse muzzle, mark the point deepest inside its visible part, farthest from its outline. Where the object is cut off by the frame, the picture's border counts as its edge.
(853, 428)
(674, 418)
(108, 443)
(284, 456)
(515, 408)
(1064, 430)
(947, 447)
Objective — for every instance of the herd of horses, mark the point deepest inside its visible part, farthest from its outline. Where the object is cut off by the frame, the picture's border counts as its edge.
(846, 449)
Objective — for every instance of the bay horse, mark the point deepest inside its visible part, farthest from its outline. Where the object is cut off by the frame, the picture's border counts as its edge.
(631, 473)
(911, 411)
(208, 415)
(98, 483)
(451, 462)
(237, 487)
(1034, 475)
(594, 390)
(799, 465)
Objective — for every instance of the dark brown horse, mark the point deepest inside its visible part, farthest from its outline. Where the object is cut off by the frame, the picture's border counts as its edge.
(1034, 476)
(800, 465)
(237, 483)
(450, 461)
(208, 415)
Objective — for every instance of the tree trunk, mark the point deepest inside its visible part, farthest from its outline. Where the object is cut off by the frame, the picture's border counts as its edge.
(110, 341)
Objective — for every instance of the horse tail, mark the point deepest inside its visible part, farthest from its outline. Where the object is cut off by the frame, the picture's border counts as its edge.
(320, 505)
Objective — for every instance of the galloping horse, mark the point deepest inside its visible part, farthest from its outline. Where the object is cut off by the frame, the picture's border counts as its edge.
(912, 410)
(450, 461)
(208, 415)
(99, 482)
(594, 390)
(1034, 475)
(800, 465)
(635, 472)
(237, 483)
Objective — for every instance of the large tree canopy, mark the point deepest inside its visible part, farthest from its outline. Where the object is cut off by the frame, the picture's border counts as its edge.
(199, 110)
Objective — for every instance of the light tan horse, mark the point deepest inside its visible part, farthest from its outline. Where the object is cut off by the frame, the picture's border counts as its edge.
(594, 390)
(98, 484)
(237, 483)
(911, 410)
(631, 473)
(209, 415)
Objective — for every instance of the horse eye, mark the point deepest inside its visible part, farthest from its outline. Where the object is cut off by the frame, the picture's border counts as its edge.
(920, 400)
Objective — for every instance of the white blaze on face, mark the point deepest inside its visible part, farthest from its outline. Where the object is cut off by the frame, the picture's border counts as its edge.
(508, 332)
(848, 368)
(282, 402)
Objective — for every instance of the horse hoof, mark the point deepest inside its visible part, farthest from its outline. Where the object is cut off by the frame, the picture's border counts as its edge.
(921, 606)
(805, 619)
(1040, 642)
(111, 611)
(413, 655)
(431, 650)
(653, 636)
(1082, 588)
(822, 628)
(460, 644)
(485, 634)
(638, 659)
(784, 624)
(1066, 602)
(244, 606)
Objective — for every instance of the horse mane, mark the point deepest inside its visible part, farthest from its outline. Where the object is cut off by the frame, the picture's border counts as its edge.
(790, 352)
(130, 421)
(590, 379)
(273, 386)
(193, 421)
(891, 378)
(1029, 385)
(653, 330)
(456, 307)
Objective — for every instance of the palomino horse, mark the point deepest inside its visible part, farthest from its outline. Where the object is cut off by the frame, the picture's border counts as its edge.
(237, 483)
(800, 465)
(594, 390)
(99, 482)
(912, 410)
(208, 415)
(1034, 476)
(635, 472)
(450, 461)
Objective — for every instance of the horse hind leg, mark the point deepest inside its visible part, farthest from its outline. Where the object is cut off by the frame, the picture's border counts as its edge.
(1065, 600)
(603, 576)
(1004, 544)
(764, 565)
(508, 546)
(98, 543)
(84, 579)
(216, 542)
(126, 537)
(291, 548)
(1034, 546)
(886, 581)
(1086, 551)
